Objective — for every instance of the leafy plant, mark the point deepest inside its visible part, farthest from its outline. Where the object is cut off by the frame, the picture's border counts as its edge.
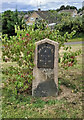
(9, 20)
(69, 57)
(69, 24)
(21, 48)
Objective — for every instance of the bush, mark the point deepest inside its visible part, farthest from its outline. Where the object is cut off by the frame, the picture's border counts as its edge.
(69, 24)
(21, 48)
(9, 20)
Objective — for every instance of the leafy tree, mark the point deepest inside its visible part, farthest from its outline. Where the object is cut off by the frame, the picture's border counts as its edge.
(73, 7)
(67, 7)
(82, 8)
(62, 7)
(9, 20)
(22, 13)
(5, 17)
(79, 10)
(69, 24)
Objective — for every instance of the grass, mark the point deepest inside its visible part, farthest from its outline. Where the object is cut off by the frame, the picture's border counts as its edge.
(67, 105)
(28, 108)
(73, 78)
(77, 38)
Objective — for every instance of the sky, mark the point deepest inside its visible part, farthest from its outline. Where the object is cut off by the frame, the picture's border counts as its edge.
(26, 5)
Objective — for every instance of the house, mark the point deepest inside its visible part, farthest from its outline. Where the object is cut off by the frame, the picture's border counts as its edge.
(26, 16)
(72, 12)
(81, 13)
(42, 15)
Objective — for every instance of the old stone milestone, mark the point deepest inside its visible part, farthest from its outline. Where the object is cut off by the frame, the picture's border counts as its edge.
(45, 72)
(45, 55)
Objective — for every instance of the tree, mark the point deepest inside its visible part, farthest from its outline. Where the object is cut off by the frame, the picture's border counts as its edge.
(79, 10)
(67, 7)
(6, 16)
(9, 20)
(82, 8)
(69, 24)
(73, 7)
(62, 7)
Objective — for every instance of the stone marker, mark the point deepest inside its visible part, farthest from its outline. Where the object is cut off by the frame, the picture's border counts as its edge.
(45, 72)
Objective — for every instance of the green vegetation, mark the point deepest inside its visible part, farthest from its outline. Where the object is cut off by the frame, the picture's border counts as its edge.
(20, 49)
(18, 63)
(80, 9)
(68, 7)
(9, 20)
(69, 24)
(79, 37)
(64, 21)
(20, 103)
(67, 105)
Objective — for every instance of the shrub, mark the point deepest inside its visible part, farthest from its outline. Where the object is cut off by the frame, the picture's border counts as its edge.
(69, 24)
(21, 48)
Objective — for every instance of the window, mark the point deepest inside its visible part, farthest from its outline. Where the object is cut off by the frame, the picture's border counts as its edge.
(32, 19)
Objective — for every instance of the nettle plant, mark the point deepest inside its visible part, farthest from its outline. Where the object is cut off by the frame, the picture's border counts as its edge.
(20, 49)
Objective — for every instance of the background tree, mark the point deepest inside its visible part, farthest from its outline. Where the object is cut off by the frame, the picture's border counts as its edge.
(79, 10)
(9, 20)
(73, 7)
(5, 17)
(62, 7)
(67, 7)
(68, 24)
(82, 8)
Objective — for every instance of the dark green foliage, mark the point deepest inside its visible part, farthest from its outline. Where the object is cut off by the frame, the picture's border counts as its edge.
(66, 8)
(9, 20)
(69, 24)
(40, 24)
(62, 7)
(80, 9)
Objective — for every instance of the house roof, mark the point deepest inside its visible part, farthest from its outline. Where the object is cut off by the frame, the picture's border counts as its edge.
(42, 14)
(70, 10)
(46, 15)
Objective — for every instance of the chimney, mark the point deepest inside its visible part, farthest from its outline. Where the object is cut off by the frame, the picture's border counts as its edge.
(39, 10)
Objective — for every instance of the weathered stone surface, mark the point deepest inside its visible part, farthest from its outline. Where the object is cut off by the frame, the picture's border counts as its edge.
(46, 70)
(45, 55)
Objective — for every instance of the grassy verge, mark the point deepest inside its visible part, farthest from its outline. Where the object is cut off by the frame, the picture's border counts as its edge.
(67, 105)
(79, 37)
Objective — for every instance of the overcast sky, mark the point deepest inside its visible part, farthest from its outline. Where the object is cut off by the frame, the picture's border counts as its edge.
(26, 5)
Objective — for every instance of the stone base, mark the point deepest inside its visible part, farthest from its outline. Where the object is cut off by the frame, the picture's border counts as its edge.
(45, 86)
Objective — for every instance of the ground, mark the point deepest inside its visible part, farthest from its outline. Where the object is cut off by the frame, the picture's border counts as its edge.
(68, 104)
